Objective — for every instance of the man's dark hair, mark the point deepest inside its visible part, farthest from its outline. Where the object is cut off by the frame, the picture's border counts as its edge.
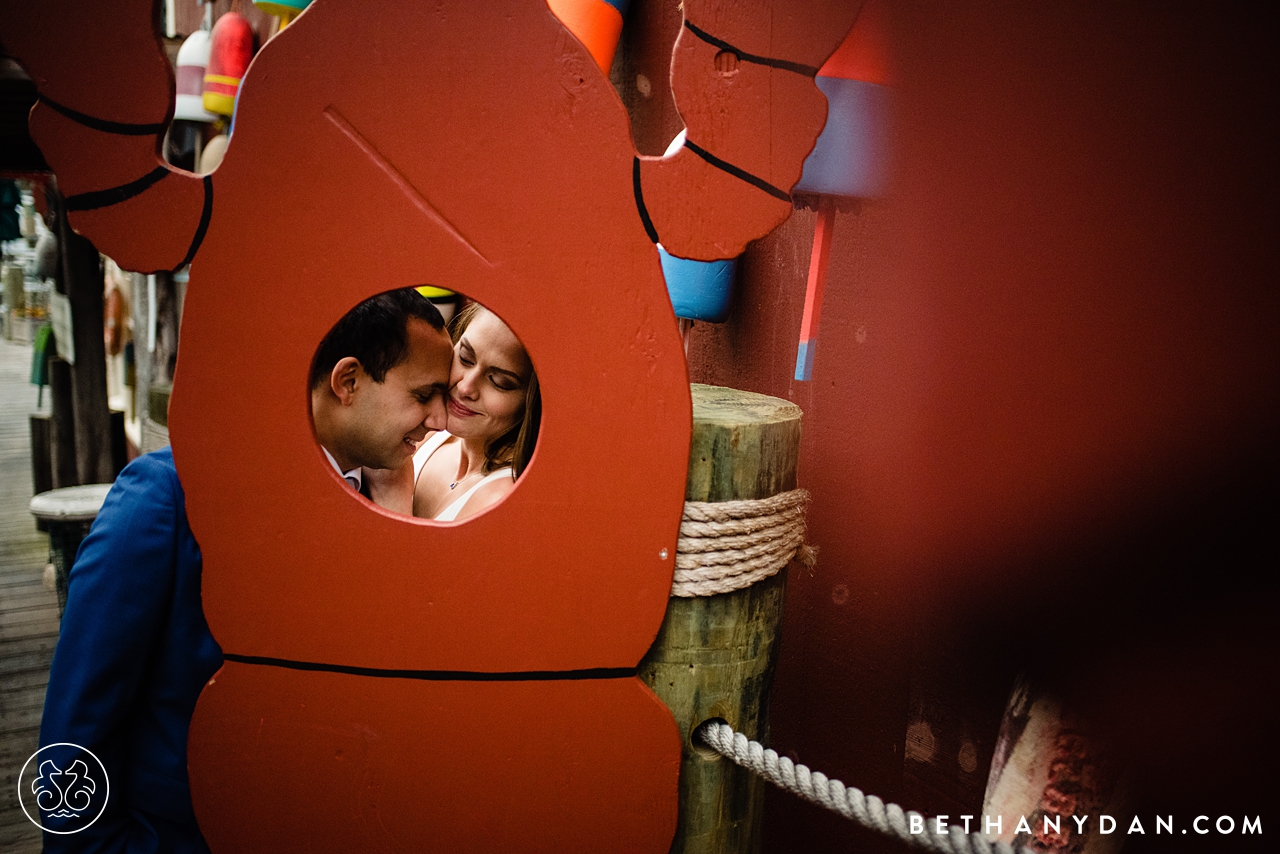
(375, 332)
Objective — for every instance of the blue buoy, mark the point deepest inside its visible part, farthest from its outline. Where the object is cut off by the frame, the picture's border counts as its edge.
(699, 290)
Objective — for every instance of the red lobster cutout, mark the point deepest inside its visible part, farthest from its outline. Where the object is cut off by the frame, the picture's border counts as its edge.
(478, 688)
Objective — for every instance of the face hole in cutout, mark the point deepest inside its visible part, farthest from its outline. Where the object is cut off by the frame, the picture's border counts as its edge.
(425, 418)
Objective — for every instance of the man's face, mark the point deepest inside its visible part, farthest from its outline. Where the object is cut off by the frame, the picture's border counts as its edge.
(389, 419)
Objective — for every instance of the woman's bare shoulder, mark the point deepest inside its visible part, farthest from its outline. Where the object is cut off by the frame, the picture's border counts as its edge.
(487, 496)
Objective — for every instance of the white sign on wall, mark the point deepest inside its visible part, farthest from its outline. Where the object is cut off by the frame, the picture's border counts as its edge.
(60, 315)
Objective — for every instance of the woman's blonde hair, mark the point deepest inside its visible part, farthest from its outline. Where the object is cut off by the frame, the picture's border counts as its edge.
(514, 447)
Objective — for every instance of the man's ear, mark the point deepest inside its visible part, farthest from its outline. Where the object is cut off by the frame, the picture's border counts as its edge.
(342, 379)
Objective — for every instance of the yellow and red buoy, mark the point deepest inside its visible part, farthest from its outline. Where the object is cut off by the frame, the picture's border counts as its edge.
(230, 49)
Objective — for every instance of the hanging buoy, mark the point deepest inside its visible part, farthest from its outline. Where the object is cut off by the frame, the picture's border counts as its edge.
(231, 48)
(285, 10)
(699, 290)
(214, 149)
(193, 58)
(447, 302)
(596, 23)
(190, 119)
(851, 156)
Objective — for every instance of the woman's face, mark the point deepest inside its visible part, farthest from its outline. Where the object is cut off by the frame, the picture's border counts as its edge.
(487, 384)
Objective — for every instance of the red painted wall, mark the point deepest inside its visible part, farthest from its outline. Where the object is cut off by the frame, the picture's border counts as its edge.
(1043, 409)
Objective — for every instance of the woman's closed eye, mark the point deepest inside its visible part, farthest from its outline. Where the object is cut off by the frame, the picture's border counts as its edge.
(503, 382)
(500, 379)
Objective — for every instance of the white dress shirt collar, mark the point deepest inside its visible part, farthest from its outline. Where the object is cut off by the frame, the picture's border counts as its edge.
(357, 473)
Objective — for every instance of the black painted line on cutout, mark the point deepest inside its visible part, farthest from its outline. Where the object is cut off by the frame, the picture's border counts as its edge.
(115, 195)
(441, 675)
(743, 174)
(785, 65)
(122, 128)
(639, 194)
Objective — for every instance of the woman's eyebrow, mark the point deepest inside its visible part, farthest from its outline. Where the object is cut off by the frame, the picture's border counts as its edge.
(511, 374)
(465, 345)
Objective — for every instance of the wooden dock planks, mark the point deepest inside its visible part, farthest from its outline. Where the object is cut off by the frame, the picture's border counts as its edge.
(28, 611)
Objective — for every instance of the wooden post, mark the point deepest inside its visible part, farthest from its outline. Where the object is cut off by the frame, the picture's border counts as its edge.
(119, 444)
(714, 656)
(81, 281)
(168, 318)
(41, 462)
(62, 426)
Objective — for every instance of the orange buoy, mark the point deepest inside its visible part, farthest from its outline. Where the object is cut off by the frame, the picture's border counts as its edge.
(596, 23)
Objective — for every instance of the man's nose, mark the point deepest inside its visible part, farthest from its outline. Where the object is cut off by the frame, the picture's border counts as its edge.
(437, 414)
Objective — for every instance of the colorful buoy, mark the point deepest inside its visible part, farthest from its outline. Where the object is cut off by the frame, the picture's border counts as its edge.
(699, 290)
(596, 23)
(231, 48)
(850, 158)
(285, 10)
(851, 155)
(193, 57)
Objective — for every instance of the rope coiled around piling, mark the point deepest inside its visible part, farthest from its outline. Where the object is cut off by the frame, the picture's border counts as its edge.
(729, 545)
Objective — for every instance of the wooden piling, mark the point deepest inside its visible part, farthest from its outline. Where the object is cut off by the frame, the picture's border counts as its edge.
(41, 461)
(62, 426)
(81, 281)
(119, 444)
(715, 655)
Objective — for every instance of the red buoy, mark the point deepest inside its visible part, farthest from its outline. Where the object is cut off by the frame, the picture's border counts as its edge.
(230, 49)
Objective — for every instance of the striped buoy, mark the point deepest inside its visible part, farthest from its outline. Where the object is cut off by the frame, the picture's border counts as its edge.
(285, 10)
(850, 158)
(193, 57)
(231, 48)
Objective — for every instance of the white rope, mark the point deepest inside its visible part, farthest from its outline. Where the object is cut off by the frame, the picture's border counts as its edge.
(728, 545)
(866, 810)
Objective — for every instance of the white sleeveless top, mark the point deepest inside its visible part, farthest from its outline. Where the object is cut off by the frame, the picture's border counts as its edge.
(424, 453)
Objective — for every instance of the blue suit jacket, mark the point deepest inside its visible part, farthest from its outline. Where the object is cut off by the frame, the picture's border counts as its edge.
(132, 658)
